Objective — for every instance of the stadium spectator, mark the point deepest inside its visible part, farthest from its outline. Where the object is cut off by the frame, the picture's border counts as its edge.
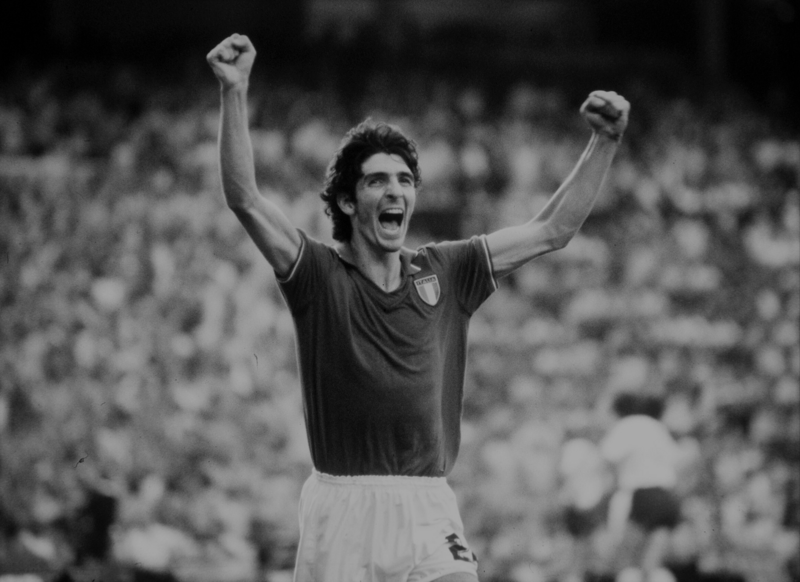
(644, 508)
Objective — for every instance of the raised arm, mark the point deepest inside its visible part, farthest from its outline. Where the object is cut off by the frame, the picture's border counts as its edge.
(278, 240)
(556, 224)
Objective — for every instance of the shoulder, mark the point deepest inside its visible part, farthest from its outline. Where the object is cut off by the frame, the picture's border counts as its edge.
(641, 428)
(474, 248)
(623, 433)
(314, 255)
(465, 266)
(314, 244)
(318, 248)
(634, 423)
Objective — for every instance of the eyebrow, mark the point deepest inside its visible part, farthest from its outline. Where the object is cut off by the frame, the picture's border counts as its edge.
(387, 174)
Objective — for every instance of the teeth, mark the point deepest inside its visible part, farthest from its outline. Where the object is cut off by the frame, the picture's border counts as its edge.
(391, 218)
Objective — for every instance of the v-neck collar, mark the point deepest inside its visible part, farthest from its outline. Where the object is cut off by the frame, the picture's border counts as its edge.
(407, 270)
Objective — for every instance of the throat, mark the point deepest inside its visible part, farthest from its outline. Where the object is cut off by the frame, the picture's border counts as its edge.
(384, 270)
(387, 280)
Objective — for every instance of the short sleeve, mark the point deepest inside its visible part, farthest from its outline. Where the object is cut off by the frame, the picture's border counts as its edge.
(307, 275)
(469, 267)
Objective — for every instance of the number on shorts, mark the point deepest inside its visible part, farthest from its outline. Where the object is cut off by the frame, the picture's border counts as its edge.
(459, 551)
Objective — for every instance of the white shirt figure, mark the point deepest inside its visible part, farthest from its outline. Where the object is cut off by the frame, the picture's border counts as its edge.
(643, 452)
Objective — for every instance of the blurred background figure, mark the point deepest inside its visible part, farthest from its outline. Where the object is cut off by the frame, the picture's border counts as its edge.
(644, 508)
(585, 488)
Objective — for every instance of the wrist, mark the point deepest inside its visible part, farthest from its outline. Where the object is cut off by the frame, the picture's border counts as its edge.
(609, 136)
(238, 87)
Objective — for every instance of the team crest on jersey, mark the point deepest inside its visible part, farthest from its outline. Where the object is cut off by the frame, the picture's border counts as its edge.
(428, 289)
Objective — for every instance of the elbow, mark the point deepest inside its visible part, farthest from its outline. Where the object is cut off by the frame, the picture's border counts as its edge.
(241, 208)
(560, 241)
(237, 205)
(239, 200)
(558, 236)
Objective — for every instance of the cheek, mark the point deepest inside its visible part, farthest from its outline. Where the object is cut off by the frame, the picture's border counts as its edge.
(411, 201)
(364, 212)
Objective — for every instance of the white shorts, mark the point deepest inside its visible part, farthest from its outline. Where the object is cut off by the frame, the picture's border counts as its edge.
(380, 529)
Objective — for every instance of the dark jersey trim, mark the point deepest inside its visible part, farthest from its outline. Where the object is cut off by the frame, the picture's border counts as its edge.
(489, 261)
(299, 258)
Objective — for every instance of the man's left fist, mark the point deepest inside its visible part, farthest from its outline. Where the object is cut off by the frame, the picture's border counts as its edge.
(606, 112)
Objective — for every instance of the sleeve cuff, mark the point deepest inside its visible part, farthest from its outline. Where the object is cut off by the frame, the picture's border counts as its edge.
(293, 270)
(489, 263)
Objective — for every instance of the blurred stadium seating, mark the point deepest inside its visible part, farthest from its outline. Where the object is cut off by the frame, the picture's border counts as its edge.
(150, 414)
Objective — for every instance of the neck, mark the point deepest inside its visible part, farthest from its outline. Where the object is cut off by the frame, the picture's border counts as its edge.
(382, 268)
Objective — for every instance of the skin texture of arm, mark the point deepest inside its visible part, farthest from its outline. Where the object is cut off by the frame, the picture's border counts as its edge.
(267, 225)
(565, 212)
(561, 217)
(270, 229)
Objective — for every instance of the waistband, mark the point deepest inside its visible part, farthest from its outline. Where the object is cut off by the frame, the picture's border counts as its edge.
(379, 480)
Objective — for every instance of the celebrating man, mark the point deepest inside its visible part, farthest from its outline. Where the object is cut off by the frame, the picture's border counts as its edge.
(381, 334)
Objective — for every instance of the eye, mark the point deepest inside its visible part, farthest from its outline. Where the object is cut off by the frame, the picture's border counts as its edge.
(406, 180)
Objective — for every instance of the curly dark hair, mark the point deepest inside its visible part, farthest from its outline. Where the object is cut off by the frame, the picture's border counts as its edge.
(358, 145)
(630, 403)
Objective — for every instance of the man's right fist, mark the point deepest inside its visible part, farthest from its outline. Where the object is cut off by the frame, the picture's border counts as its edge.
(232, 59)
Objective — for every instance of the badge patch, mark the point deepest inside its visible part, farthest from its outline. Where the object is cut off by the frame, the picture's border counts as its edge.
(428, 289)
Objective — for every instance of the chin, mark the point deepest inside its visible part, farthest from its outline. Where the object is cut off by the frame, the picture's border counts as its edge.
(393, 245)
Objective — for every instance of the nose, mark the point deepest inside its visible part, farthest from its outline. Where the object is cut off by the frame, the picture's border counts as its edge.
(393, 186)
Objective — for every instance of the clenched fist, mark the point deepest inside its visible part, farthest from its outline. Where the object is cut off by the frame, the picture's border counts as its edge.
(606, 112)
(232, 59)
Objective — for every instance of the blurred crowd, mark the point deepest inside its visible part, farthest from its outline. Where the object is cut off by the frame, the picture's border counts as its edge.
(150, 411)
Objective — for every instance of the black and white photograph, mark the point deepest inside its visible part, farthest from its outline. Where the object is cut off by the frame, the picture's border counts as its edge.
(400, 291)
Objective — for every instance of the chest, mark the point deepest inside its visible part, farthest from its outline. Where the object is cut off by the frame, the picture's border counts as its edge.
(407, 320)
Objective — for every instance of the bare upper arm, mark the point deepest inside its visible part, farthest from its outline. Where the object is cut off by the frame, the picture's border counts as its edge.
(512, 247)
(272, 232)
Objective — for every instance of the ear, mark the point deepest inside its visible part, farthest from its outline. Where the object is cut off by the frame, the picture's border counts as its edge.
(346, 203)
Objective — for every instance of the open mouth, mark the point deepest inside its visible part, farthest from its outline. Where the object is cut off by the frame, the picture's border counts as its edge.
(391, 219)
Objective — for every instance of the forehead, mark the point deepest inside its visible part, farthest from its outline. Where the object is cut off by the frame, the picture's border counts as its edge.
(385, 164)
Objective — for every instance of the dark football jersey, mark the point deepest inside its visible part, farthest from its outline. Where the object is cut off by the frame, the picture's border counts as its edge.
(383, 373)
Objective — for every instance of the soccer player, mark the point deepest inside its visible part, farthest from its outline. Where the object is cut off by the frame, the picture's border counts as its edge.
(645, 508)
(381, 334)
